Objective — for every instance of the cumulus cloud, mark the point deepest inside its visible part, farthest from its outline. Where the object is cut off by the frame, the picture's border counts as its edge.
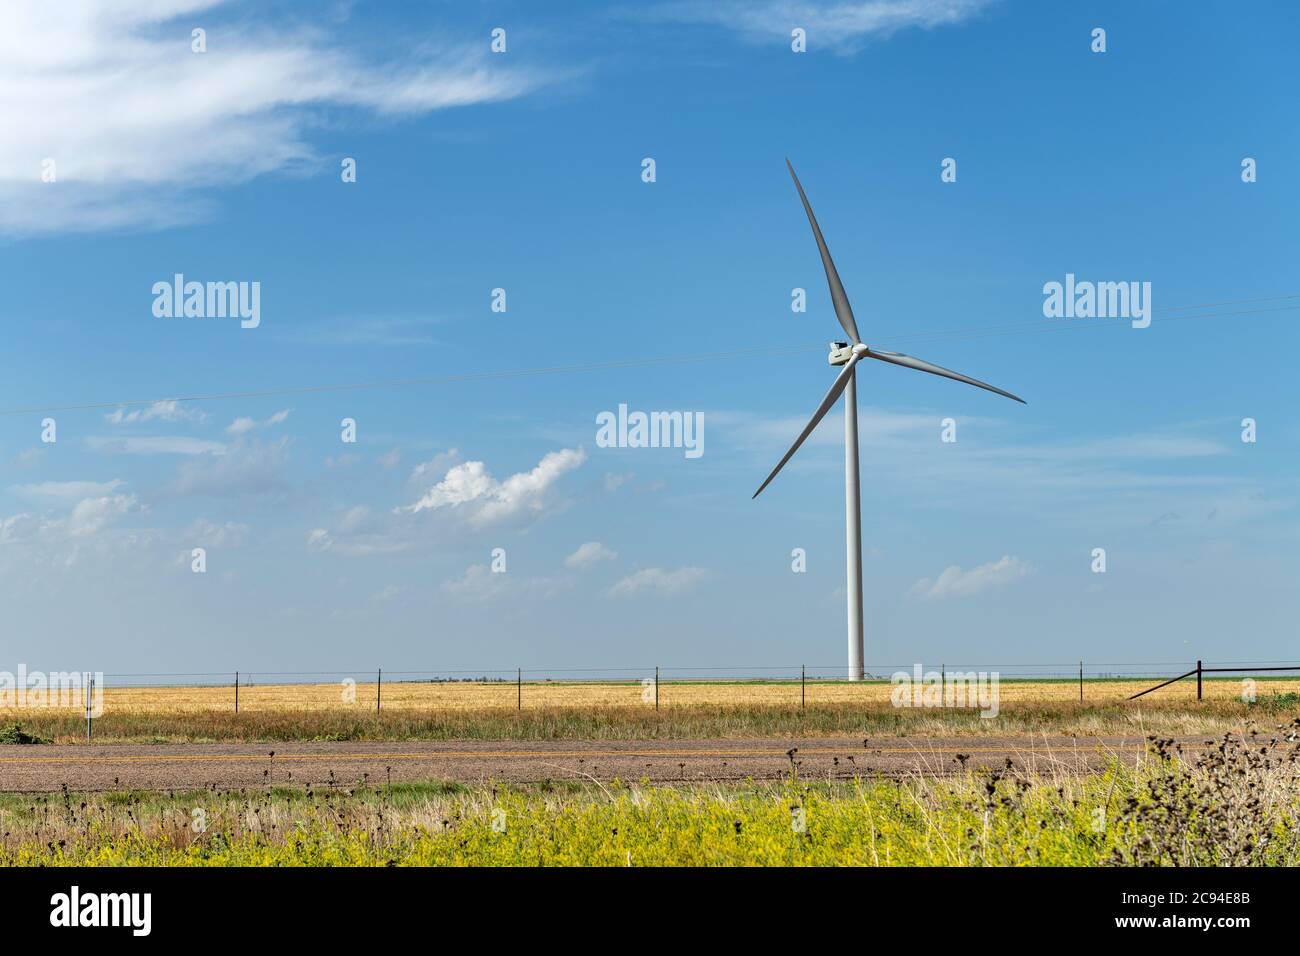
(658, 581)
(954, 582)
(113, 94)
(593, 552)
(469, 489)
(164, 411)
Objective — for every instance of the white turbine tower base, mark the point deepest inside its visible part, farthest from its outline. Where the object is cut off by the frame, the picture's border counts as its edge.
(849, 355)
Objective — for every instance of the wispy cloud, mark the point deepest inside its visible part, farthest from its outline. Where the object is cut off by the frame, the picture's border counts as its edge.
(593, 552)
(244, 424)
(113, 94)
(954, 582)
(154, 445)
(164, 411)
(66, 490)
(840, 25)
(245, 468)
(658, 581)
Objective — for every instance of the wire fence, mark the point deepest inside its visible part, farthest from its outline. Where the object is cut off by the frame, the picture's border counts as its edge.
(470, 688)
(723, 673)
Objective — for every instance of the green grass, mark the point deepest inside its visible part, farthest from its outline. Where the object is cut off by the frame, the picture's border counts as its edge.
(1236, 804)
(14, 734)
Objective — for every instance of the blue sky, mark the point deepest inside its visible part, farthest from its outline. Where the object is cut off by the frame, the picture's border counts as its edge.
(522, 171)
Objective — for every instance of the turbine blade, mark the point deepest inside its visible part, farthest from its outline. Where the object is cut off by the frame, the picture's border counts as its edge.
(898, 358)
(841, 383)
(843, 311)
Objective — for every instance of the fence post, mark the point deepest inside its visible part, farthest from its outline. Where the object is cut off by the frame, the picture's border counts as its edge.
(803, 686)
(1081, 682)
(379, 689)
(236, 691)
(1198, 680)
(90, 688)
(519, 690)
(656, 687)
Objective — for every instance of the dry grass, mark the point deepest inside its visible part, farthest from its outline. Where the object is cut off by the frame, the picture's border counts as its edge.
(479, 696)
(613, 711)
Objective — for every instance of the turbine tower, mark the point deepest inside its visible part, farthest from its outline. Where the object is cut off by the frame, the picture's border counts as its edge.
(848, 354)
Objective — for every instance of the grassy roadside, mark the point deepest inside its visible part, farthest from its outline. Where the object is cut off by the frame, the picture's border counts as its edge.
(1236, 805)
(644, 723)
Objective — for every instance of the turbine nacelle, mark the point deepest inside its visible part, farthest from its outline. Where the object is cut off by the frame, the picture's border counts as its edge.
(841, 352)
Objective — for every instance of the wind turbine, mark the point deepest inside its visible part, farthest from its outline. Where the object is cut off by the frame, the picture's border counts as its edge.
(848, 354)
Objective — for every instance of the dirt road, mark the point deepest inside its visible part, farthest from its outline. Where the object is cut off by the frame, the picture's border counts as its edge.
(189, 766)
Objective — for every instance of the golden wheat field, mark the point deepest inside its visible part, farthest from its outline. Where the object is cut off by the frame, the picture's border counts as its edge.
(480, 696)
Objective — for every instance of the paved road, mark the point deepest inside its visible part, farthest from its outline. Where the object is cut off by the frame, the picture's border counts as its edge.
(185, 766)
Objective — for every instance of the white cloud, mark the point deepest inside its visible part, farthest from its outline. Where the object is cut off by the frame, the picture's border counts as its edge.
(165, 411)
(244, 469)
(659, 581)
(28, 457)
(113, 93)
(210, 534)
(19, 527)
(593, 552)
(477, 584)
(66, 490)
(481, 585)
(840, 25)
(468, 488)
(91, 515)
(318, 539)
(616, 480)
(154, 445)
(954, 582)
(243, 425)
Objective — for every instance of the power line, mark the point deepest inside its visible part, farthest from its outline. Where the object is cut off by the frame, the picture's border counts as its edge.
(943, 335)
